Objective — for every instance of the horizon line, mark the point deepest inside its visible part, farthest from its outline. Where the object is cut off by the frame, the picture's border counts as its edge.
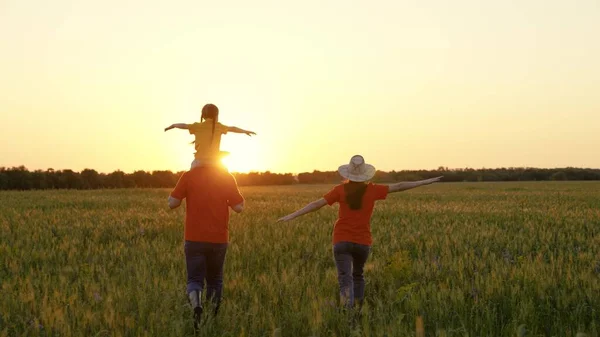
(443, 168)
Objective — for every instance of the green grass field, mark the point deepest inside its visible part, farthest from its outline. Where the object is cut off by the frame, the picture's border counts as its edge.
(482, 259)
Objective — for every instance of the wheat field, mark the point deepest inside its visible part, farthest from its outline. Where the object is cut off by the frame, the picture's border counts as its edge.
(455, 259)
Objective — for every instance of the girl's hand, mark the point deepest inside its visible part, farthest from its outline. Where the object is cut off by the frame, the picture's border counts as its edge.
(250, 133)
(169, 128)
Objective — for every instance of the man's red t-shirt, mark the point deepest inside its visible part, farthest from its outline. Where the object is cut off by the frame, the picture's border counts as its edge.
(355, 225)
(209, 192)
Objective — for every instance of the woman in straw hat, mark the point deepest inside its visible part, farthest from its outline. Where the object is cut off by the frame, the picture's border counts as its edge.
(352, 232)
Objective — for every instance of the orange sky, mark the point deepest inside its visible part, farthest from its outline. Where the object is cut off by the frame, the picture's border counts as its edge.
(409, 86)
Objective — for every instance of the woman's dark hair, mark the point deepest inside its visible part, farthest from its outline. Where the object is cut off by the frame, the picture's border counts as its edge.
(354, 194)
(210, 111)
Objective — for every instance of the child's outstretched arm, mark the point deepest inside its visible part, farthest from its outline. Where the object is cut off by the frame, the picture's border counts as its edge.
(179, 126)
(238, 130)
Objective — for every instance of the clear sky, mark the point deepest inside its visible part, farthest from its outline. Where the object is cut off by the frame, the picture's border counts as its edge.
(408, 84)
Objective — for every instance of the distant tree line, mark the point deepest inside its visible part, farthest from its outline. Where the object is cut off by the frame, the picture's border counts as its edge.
(19, 178)
(464, 175)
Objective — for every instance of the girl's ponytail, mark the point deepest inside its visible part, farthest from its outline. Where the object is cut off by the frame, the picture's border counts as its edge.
(210, 111)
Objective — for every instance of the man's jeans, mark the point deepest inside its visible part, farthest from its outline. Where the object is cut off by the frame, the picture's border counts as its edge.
(204, 261)
(350, 260)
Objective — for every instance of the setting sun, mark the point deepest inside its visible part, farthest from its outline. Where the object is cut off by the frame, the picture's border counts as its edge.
(234, 165)
(241, 161)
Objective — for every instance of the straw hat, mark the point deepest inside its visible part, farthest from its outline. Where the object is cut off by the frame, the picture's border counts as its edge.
(357, 170)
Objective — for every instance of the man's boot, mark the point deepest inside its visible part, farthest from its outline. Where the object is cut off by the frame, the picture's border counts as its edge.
(195, 298)
(358, 305)
(217, 306)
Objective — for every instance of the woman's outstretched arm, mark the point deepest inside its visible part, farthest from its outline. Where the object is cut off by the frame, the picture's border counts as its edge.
(178, 125)
(313, 206)
(407, 185)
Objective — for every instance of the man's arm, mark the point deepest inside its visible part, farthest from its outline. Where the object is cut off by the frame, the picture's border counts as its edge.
(235, 200)
(174, 203)
(179, 193)
(238, 130)
(178, 126)
(239, 208)
(403, 186)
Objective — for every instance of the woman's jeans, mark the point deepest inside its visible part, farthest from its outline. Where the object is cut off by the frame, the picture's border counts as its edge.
(204, 261)
(350, 260)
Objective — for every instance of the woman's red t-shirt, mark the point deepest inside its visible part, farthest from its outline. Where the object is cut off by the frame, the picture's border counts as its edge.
(355, 225)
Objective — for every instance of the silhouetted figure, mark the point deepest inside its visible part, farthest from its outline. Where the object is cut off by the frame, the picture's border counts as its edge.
(207, 135)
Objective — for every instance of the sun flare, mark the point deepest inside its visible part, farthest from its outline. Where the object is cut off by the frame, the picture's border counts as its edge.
(239, 162)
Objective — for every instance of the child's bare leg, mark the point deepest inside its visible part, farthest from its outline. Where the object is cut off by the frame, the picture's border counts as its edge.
(196, 163)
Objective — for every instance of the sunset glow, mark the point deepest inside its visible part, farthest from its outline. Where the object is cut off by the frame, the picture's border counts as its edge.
(242, 161)
(408, 85)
